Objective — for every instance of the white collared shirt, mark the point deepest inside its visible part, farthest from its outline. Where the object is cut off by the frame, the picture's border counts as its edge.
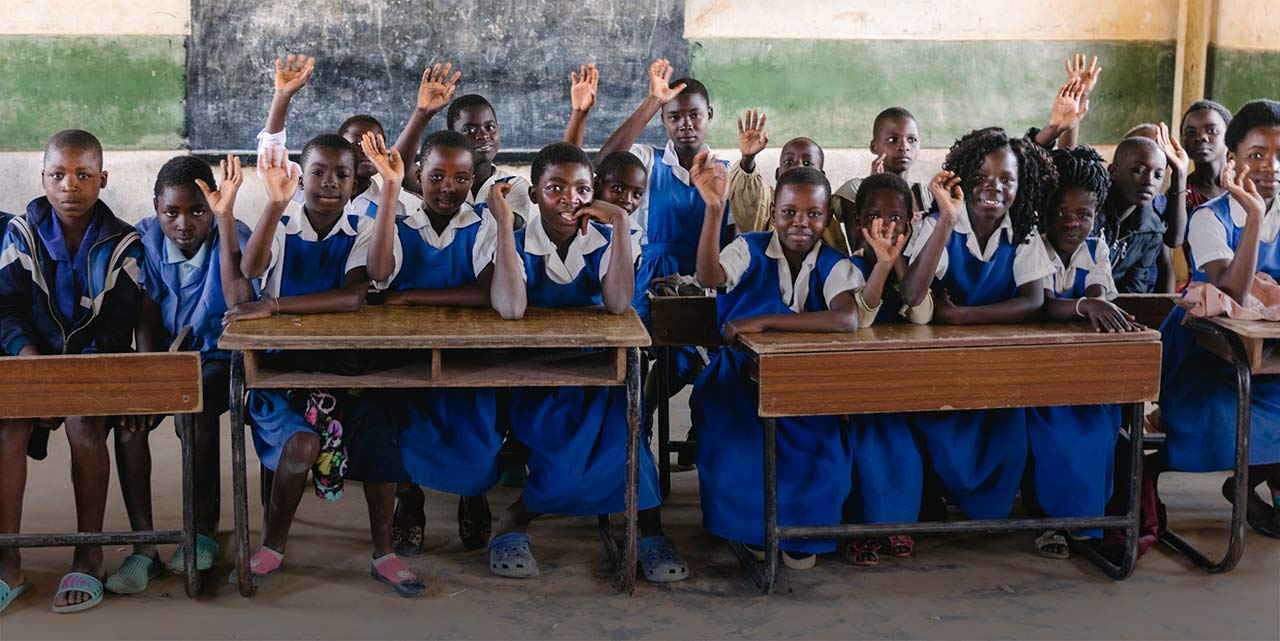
(481, 252)
(669, 158)
(1030, 261)
(1208, 238)
(735, 259)
(187, 267)
(638, 240)
(1097, 268)
(406, 202)
(299, 225)
(537, 243)
(517, 199)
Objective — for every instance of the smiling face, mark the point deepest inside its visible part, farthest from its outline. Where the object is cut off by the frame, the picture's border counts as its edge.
(72, 179)
(1203, 132)
(887, 206)
(327, 179)
(800, 152)
(1137, 173)
(623, 186)
(800, 215)
(480, 125)
(353, 133)
(686, 119)
(898, 139)
(562, 190)
(994, 187)
(184, 217)
(446, 175)
(1258, 154)
(1072, 220)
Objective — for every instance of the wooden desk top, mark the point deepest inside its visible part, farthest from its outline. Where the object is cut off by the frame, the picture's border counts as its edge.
(1258, 329)
(909, 336)
(406, 327)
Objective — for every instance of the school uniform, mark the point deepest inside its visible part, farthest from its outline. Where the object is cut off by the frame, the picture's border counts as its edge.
(1197, 388)
(451, 440)
(844, 197)
(517, 199)
(671, 214)
(189, 292)
(979, 455)
(1073, 446)
(751, 200)
(365, 203)
(814, 453)
(1135, 236)
(577, 436)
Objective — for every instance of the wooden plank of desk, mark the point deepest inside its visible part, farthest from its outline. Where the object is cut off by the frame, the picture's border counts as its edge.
(1148, 309)
(684, 320)
(404, 327)
(906, 380)
(1259, 329)
(459, 368)
(1257, 337)
(909, 336)
(100, 385)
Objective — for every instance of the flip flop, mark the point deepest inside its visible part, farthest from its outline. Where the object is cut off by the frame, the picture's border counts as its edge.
(863, 552)
(407, 541)
(510, 556)
(900, 545)
(660, 561)
(206, 552)
(8, 594)
(475, 524)
(389, 569)
(78, 582)
(799, 562)
(134, 575)
(264, 557)
(1046, 542)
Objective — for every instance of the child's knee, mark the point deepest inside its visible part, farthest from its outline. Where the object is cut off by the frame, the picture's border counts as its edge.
(15, 433)
(86, 433)
(301, 449)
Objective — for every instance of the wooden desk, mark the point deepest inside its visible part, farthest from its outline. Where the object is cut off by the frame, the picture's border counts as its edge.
(939, 367)
(112, 385)
(678, 321)
(461, 348)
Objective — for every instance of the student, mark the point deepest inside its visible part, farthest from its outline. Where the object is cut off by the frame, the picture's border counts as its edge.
(895, 140)
(621, 180)
(69, 275)
(312, 258)
(472, 116)
(888, 470)
(1072, 447)
(577, 435)
(980, 256)
(1129, 220)
(190, 278)
(783, 280)
(1203, 126)
(1232, 238)
(440, 254)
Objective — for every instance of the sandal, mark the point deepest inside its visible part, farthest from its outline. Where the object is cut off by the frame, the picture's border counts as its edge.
(799, 562)
(900, 545)
(134, 575)
(78, 582)
(206, 552)
(660, 561)
(475, 521)
(389, 569)
(1260, 516)
(264, 562)
(862, 552)
(407, 541)
(510, 556)
(1052, 545)
(9, 593)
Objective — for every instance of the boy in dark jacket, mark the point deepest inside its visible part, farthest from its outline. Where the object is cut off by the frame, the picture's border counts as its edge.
(1132, 219)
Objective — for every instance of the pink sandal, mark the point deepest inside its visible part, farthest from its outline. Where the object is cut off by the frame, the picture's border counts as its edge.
(391, 570)
(264, 562)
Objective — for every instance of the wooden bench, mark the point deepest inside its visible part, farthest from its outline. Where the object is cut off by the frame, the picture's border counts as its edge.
(111, 385)
(460, 347)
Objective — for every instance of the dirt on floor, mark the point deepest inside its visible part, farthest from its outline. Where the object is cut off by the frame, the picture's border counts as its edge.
(975, 586)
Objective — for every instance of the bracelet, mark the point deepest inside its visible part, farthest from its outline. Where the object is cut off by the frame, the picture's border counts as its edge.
(1078, 301)
(276, 300)
(1178, 193)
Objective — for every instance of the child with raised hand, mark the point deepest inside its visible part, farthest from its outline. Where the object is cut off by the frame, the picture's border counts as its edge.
(567, 257)
(191, 277)
(472, 116)
(1232, 238)
(783, 280)
(68, 285)
(1203, 126)
(1132, 220)
(980, 256)
(434, 93)
(312, 258)
(440, 254)
(582, 94)
(895, 141)
(1072, 447)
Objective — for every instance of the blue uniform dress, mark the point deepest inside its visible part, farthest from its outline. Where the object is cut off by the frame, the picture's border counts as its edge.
(979, 455)
(888, 466)
(814, 452)
(1197, 388)
(1073, 446)
(672, 221)
(451, 441)
(577, 436)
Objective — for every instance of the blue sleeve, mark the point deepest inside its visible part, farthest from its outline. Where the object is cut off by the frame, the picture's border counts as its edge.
(121, 305)
(15, 293)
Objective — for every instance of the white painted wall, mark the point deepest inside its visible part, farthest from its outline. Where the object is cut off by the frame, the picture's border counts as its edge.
(96, 17)
(1248, 24)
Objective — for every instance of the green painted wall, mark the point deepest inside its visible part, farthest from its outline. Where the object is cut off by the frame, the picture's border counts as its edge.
(128, 90)
(1237, 76)
(831, 90)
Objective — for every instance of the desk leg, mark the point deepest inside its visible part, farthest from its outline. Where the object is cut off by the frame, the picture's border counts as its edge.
(187, 433)
(663, 368)
(240, 490)
(635, 407)
(1244, 398)
(765, 579)
(1132, 419)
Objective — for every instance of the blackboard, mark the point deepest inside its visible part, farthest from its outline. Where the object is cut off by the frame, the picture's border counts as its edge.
(370, 57)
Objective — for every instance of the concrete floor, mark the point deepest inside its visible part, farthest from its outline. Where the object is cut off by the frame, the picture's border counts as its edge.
(991, 586)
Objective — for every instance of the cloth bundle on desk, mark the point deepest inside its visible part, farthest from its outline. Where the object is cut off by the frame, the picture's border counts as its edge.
(1261, 303)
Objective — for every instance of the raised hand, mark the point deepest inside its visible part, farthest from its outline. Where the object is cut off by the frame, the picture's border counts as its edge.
(659, 77)
(1244, 191)
(1173, 151)
(278, 174)
(710, 177)
(223, 201)
(1070, 106)
(389, 164)
(1088, 76)
(877, 164)
(497, 203)
(880, 237)
(947, 193)
(752, 138)
(292, 72)
(437, 87)
(582, 87)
